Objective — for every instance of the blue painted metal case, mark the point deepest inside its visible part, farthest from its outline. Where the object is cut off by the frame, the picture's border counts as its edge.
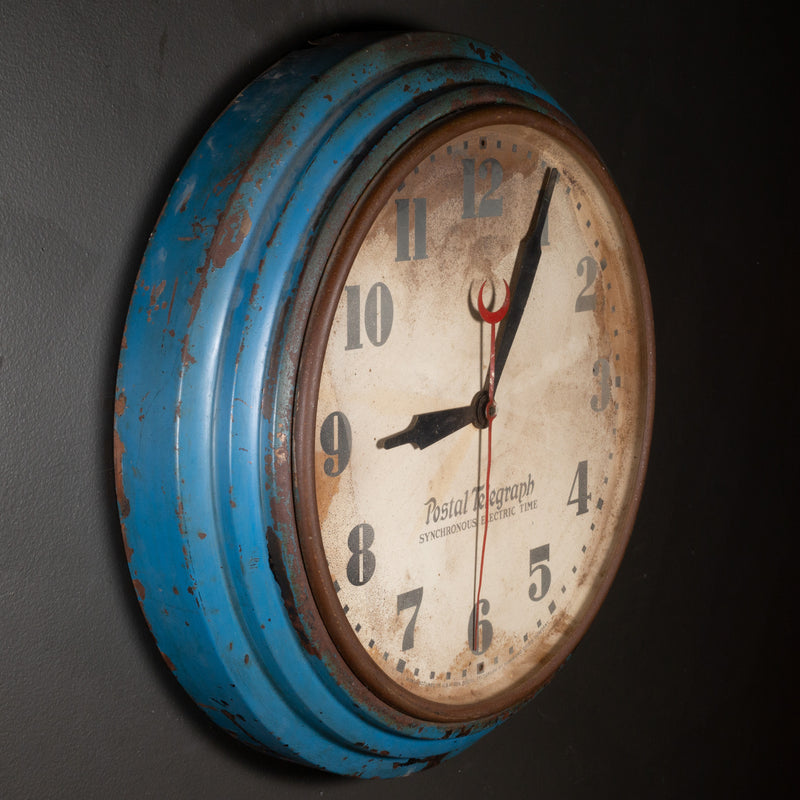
(206, 390)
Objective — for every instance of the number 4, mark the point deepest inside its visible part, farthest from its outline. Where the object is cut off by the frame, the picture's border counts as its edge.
(581, 483)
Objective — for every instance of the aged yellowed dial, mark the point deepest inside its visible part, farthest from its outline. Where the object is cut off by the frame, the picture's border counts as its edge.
(488, 330)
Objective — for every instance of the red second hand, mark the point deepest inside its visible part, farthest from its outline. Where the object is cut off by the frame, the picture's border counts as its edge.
(493, 318)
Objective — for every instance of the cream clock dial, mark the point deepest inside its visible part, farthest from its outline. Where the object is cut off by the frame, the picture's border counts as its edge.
(480, 413)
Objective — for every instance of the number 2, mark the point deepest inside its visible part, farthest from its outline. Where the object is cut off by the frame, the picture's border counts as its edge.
(587, 300)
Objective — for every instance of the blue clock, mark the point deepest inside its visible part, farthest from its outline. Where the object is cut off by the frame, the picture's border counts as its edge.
(384, 403)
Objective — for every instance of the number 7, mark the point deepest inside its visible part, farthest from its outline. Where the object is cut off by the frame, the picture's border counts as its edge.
(412, 599)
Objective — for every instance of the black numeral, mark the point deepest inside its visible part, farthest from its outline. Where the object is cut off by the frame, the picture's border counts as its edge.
(489, 205)
(411, 599)
(485, 631)
(587, 300)
(602, 370)
(361, 565)
(378, 315)
(335, 439)
(537, 556)
(404, 229)
(579, 493)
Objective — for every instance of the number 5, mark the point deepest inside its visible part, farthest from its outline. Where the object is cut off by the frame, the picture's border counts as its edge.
(537, 556)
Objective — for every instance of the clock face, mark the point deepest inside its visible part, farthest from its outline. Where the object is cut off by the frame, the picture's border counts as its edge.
(456, 574)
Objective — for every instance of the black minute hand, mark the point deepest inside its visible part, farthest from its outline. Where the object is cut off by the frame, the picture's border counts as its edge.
(528, 255)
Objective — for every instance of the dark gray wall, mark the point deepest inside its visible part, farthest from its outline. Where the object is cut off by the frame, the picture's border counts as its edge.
(679, 688)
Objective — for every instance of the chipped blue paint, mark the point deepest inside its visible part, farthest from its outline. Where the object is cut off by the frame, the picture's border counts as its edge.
(205, 390)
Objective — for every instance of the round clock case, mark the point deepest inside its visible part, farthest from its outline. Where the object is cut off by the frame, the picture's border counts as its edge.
(230, 418)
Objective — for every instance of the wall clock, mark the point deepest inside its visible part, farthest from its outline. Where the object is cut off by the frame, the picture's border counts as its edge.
(384, 403)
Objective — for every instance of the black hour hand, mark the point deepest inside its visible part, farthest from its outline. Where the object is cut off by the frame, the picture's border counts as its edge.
(426, 429)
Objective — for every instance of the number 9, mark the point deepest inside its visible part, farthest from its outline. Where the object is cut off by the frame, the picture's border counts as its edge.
(334, 438)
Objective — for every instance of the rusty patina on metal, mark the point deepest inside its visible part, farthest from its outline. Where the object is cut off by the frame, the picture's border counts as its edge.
(205, 413)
